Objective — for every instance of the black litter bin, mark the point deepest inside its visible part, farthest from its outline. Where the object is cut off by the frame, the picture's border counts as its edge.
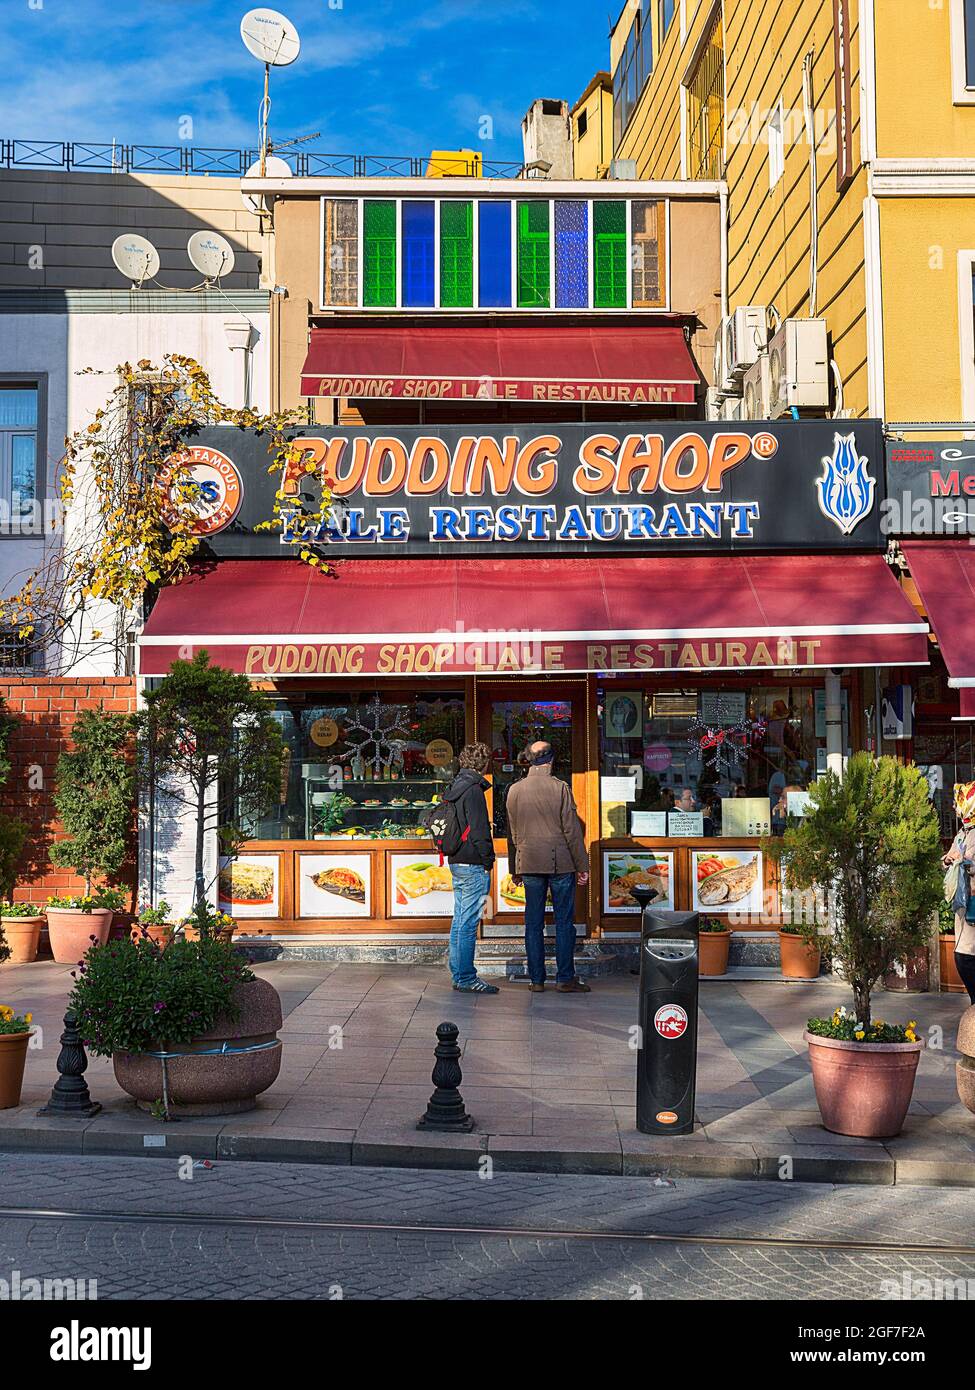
(666, 1073)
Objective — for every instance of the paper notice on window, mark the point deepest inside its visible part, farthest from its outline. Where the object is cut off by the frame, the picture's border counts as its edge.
(685, 824)
(652, 823)
(617, 789)
(798, 803)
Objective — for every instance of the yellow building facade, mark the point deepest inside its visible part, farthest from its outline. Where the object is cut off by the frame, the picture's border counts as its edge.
(850, 173)
(592, 129)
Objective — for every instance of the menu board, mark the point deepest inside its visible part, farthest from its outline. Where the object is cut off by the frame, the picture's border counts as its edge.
(334, 885)
(249, 886)
(723, 706)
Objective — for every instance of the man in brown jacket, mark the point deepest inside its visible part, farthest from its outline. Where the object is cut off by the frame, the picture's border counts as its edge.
(547, 852)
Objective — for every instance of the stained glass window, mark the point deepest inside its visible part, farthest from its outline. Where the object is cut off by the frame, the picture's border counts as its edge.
(647, 255)
(456, 255)
(419, 257)
(572, 255)
(534, 255)
(340, 288)
(379, 254)
(494, 255)
(609, 255)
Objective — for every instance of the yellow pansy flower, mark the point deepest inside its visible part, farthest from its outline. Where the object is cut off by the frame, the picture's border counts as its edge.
(859, 1036)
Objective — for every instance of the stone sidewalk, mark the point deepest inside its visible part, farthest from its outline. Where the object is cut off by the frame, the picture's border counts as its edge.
(548, 1078)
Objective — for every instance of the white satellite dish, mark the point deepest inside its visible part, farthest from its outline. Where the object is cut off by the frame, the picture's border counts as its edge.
(135, 257)
(274, 168)
(270, 37)
(211, 254)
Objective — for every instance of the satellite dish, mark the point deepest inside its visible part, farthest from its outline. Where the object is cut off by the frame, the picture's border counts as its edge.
(211, 254)
(270, 37)
(135, 257)
(274, 168)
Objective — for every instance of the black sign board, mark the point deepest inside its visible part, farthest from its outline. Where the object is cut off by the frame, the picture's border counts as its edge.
(930, 489)
(556, 490)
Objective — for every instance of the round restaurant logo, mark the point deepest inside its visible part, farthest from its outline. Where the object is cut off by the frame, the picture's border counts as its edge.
(670, 1021)
(216, 487)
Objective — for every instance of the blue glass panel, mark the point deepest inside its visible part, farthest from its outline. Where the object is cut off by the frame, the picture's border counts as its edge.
(494, 255)
(572, 255)
(419, 258)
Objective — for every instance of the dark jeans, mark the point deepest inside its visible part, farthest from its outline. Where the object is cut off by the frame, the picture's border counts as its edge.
(563, 888)
(966, 969)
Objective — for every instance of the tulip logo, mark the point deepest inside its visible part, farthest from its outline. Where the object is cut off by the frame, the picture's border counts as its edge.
(846, 489)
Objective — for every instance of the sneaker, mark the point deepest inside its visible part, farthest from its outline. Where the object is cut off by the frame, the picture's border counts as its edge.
(574, 987)
(478, 987)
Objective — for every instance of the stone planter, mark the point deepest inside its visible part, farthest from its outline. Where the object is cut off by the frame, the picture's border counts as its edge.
(23, 936)
(714, 947)
(71, 930)
(965, 1066)
(800, 961)
(863, 1089)
(13, 1057)
(203, 1081)
(951, 982)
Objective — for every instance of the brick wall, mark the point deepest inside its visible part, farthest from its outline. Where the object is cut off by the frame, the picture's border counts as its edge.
(45, 711)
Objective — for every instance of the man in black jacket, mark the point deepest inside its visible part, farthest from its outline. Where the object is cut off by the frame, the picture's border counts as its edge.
(470, 867)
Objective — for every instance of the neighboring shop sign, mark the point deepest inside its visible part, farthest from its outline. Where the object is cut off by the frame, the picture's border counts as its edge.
(216, 483)
(930, 489)
(569, 489)
(897, 712)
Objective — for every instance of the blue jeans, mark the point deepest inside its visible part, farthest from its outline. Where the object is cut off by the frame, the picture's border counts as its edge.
(470, 891)
(563, 887)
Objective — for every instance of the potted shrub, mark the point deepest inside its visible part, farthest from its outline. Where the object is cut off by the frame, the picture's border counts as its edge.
(800, 952)
(951, 981)
(870, 844)
(95, 805)
(20, 928)
(205, 922)
(154, 923)
(15, 1035)
(715, 942)
(188, 1027)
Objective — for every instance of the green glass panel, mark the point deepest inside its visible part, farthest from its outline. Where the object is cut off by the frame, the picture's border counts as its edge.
(456, 255)
(379, 254)
(609, 255)
(534, 255)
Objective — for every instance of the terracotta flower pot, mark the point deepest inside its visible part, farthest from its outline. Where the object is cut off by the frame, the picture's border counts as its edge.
(13, 1056)
(162, 935)
(71, 931)
(910, 976)
(23, 937)
(203, 1081)
(950, 979)
(800, 960)
(863, 1089)
(714, 947)
(226, 934)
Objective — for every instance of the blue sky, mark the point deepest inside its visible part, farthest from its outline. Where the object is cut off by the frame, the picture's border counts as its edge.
(374, 76)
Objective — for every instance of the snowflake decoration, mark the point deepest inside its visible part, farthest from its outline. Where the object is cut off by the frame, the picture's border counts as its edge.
(729, 744)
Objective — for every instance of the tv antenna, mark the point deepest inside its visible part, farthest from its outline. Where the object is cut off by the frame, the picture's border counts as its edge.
(135, 257)
(274, 41)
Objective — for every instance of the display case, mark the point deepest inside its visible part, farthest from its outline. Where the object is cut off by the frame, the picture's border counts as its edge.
(368, 808)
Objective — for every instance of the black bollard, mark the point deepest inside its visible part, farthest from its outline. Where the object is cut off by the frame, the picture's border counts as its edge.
(70, 1096)
(445, 1110)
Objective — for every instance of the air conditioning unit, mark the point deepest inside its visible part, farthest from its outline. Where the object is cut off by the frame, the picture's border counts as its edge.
(745, 336)
(732, 408)
(755, 395)
(714, 404)
(798, 367)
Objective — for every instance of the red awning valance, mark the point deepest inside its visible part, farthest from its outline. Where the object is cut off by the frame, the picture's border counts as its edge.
(549, 362)
(944, 572)
(272, 618)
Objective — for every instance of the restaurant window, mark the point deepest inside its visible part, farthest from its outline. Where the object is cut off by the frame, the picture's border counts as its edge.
(341, 253)
(494, 255)
(419, 256)
(609, 255)
(457, 255)
(379, 254)
(647, 254)
(363, 764)
(719, 744)
(534, 256)
(705, 114)
(18, 451)
(572, 255)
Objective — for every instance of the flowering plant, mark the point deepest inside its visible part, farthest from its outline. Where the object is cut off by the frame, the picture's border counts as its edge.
(846, 1027)
(14, 1023)
(208, 921)
(134, 996)
(110, 898)
(150, 916)
(21, 910)
(712, 924)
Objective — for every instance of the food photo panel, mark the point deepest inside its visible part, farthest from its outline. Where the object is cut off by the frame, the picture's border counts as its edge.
(334, 885)
(729, 880)
(420, 886)
(624, 870)
(250, 886)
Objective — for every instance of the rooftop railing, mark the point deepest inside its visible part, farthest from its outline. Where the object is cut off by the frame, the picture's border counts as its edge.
(85, 157)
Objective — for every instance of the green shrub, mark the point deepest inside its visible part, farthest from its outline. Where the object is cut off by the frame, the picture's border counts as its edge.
(95, 797)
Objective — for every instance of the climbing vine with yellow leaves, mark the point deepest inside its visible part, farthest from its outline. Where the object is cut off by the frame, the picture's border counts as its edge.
(128, 506)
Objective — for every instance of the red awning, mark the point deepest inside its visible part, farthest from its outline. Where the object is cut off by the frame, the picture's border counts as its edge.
(446, 616)
(623, 366)
(944, 572)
